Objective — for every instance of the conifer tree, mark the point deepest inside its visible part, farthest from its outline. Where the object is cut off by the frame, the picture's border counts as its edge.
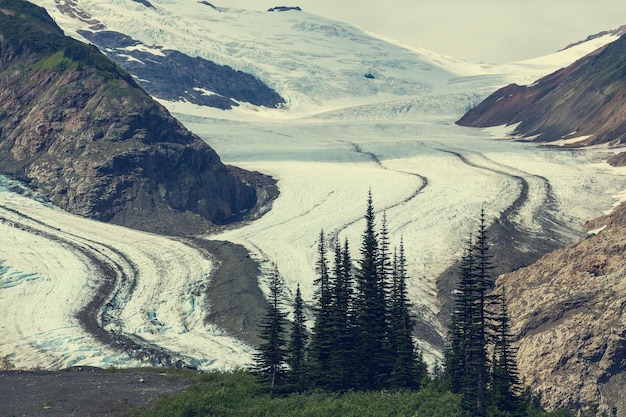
(506, 388)
(484, 283)
(480, 323)
(371, 315)
(385, 276)
(467, 366)
(341, 372)
(297, 345)
(409, 368)
(459, 334)
(270, 360)
(321, 348)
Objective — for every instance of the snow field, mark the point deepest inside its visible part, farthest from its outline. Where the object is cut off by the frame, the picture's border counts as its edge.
(48, 278)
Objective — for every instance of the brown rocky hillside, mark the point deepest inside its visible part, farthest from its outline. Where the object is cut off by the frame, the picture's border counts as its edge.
(77, 128)
(568, 313)
(586, 100)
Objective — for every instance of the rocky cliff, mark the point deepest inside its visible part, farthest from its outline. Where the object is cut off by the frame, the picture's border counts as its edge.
(78, 129)
(568, 309)
(172, 75)
(568, 312)
(586, 100)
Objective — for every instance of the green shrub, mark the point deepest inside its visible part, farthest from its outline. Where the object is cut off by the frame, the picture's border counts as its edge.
(238, 394)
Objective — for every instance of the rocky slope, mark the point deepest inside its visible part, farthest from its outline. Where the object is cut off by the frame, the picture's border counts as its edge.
(172, 75)
(586, 100)
(568, 311)
(78, 129)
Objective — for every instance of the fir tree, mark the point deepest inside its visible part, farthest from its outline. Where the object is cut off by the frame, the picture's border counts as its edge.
(341, 372)
(484, 283)
(371, 309)
(384, 278)
(321, 349)
(462, 316)
(270, 360)
(297, 345)
(409, 369)
(467, 367)
(506, 388)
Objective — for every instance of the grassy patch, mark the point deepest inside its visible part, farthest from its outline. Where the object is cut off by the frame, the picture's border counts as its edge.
(56, 61)
(239, 394)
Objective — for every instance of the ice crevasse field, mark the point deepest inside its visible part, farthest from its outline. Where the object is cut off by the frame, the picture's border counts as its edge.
(362, 114)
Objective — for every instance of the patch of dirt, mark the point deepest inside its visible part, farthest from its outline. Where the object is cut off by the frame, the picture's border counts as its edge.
(236, 302)
(85, 391)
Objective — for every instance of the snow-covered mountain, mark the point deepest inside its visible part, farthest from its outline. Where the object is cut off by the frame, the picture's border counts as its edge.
(312, 62)
(360, 114)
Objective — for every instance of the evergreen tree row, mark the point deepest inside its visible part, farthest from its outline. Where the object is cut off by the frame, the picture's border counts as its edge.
(361, 338)
(362, 334)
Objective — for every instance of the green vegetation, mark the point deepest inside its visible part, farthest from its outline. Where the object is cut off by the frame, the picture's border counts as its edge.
(360, 359)
(55, 61)
(362, 331)
(30, 31)
(115, 89)
(28, 27)
(240, 394)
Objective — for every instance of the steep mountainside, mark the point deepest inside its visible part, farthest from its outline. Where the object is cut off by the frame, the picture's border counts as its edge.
(568, 308)
(172, 75)
(586, 100)
(568, 311)
(80, 131)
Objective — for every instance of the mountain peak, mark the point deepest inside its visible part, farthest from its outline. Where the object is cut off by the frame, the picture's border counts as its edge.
(614, 32)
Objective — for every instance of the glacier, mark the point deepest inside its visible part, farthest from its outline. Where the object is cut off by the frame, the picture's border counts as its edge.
(362, 113)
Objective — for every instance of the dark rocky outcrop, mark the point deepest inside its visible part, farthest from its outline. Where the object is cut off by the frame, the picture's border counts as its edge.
(145, 3)
(78, 129)
(284, 9)
(172, 75)
(586, 99)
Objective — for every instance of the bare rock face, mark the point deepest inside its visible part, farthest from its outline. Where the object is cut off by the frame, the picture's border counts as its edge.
(568, 311)
(172, 75)
(78, 129)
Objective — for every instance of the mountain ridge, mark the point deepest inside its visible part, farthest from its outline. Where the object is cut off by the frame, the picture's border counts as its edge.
(583, 103)
(174, 76)
(78, 129)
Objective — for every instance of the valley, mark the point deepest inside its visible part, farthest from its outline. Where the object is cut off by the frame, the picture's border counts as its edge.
(360, 114)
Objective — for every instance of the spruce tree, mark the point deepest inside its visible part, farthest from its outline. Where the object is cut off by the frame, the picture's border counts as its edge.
(321, 348)
(467, 365)
(484, 283)
(480, 323)
(463, 315)
(506, 388)
(409, 368)
(370, 308)
(341, 371)
(349, 337)
(385, 276)
(297, 345)
(270, 359)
